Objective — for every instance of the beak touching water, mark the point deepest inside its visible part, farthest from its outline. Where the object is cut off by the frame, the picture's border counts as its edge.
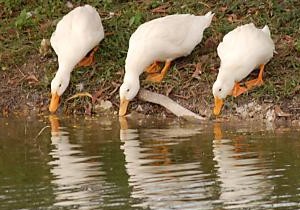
(54, 102)
(123, 107)
(218, 105)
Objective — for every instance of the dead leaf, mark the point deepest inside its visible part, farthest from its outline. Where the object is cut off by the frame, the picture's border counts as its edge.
(109, 33)
(198, 71)
(280, 113)
(161, 9)
(232, 18)
(88, 109)
(169, 90)
(210, 43)
(223, 9)
(96, 95)
(252, 10)
(80, 95)
(32, 79)
(288, 39)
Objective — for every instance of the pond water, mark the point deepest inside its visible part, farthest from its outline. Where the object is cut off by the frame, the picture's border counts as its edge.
(52, 163)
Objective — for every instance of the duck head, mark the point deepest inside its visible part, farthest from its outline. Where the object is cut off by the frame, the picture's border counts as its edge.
(221, 89)
(58, 86)
(128, 91)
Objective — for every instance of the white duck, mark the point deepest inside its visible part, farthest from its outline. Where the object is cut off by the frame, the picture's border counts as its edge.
(160, 40)
(76, 34)
(241, 51)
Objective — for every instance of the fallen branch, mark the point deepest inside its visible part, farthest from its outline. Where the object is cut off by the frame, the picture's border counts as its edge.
(169, 104)
(79, 95)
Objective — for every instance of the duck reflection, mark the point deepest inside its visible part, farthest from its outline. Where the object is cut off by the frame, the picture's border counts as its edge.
(73, 172)
(240, 171)
(155, 176)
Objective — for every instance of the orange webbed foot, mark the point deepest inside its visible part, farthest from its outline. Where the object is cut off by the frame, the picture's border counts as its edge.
(256, 82)
(88, 59)
(238, 90)
(154, 68)
(157, 77)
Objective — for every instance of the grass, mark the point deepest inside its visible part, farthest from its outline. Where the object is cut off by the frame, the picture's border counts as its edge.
(25, 23)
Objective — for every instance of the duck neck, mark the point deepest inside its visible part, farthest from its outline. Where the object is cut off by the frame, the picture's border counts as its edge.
(130, 77)
(64, 70)
(226, 75)
(136, 67)
(65, 67)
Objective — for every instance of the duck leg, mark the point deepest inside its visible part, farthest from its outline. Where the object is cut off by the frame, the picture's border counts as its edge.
(157, 77)
(238, 90)
(154, 68)
(256, 82)
(88, 59)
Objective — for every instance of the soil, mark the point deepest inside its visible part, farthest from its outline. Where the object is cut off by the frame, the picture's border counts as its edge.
(26, 74)
(23, 94)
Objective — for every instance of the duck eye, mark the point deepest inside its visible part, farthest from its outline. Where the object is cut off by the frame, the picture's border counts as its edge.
(220, 89)
(127, 90)
(59, 86)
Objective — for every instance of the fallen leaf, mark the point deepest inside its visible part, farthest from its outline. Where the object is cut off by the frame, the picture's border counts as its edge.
(80, 95)
(280, 113)
(69, 5)
(210, 43)
(231, 18)
(88, 109)
(96, 95)
(223, 9)
(161, 9)
(198, 71)
(31, 79)
(169, 90)
(288, 38)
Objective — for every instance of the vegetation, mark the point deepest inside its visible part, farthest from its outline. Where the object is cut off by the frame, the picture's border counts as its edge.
(26, 75)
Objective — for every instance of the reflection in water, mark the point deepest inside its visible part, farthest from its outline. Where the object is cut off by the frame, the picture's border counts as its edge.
(159, 182)
(241, 173)
(87, 166)
(73, 172)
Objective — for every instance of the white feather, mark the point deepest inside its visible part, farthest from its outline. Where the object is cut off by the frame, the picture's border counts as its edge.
(162, 39)
(76, 34)
(245, 46)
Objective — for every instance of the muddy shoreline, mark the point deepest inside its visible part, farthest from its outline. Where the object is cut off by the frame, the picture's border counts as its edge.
(26, 73)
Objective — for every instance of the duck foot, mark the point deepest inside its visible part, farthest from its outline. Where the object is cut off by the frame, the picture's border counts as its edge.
(157, 77)
(154, 68)
(88, 59)
(238, 90)
(256, 82)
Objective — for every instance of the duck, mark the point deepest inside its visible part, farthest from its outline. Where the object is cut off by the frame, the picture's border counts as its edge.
(160, 40)
(241, 51)
(75, 40)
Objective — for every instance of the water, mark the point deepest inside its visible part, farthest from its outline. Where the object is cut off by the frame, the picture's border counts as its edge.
(147, 164)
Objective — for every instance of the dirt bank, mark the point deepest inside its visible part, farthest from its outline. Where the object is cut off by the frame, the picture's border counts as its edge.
(26, 74)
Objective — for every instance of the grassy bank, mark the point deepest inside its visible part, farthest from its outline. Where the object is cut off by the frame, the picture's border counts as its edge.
(26, 74)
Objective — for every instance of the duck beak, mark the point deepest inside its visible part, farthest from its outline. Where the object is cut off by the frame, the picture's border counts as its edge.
(54, 102)
(218, 105)
(123, 107)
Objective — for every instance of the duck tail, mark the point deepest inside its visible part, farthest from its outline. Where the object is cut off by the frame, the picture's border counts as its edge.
(266, 30)
(208, 16)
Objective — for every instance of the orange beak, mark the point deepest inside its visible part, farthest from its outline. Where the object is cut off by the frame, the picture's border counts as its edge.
(54, 102)
(123, 107)
(218, 105)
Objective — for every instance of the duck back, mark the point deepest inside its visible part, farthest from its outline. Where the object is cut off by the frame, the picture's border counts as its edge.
(247, 45)
(77, 33)
(168, 37)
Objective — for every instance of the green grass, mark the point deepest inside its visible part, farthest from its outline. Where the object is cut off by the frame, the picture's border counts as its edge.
(25, 23)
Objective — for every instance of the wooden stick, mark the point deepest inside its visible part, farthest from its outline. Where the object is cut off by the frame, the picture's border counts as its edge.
(169, 104)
